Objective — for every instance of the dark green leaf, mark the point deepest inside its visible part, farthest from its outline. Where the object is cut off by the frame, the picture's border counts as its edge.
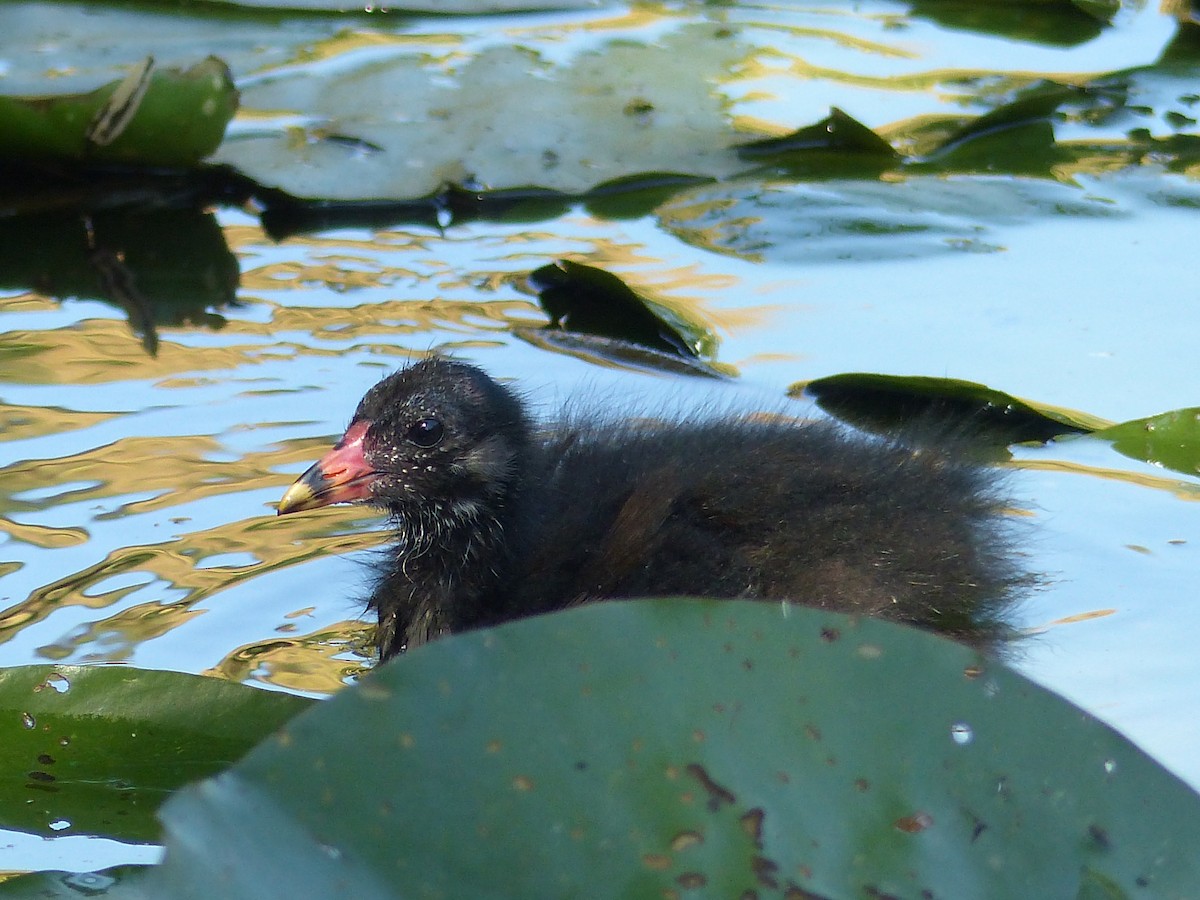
(890, 403)
(637, 195)
(586, 300)
(612, 352)
(634, 749)
(837, 133)
(1028, 149)
(96, 749)
(518, 204)
(1100, 10)
(1062, 23)
(1035, 104)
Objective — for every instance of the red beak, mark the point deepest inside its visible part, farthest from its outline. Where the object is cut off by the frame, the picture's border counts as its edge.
(342, 475)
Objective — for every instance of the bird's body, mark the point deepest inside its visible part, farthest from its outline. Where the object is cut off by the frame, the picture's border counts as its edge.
(495, 522)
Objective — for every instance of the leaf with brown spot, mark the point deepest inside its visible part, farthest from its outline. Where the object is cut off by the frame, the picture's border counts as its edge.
(461, 828)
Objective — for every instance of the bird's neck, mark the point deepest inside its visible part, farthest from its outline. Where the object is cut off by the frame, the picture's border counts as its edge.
(448, 570)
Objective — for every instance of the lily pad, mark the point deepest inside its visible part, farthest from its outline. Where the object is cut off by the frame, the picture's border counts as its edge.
(505, 117)
(888, 403)
(96, 749)
(1171, 440)
(152, 117)
(839, 135)
(648, 748)
(586, 300)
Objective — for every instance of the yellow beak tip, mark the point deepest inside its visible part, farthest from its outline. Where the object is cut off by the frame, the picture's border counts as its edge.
(299, 496)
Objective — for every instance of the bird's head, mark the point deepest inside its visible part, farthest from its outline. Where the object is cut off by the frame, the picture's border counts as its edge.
(439, 440)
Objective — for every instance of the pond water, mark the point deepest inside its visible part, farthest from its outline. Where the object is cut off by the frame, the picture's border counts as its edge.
(136, 503)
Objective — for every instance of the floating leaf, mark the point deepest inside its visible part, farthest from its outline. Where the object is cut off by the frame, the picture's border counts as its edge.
(503, 116)
(1100, 10)
(889, 403)
(1171, 440)
(96, 749)
(587, 300)
(1035, 104)
(153, 118)
(837, 132)
(1064, 23)
(1028, 148)
(637, 195)
(656, 745)
(634, 749)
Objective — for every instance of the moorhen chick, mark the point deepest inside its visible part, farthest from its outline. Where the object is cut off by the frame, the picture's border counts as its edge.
(495, 520)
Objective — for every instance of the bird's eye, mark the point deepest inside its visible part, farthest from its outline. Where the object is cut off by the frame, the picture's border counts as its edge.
(425, 433)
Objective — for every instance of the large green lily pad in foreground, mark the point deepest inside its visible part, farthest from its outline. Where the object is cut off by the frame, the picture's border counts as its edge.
(655, 748)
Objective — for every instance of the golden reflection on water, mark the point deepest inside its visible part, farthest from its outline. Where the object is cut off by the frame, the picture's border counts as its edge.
(768, 59)
(351, 40)
(248, 242)
(46, 537)
(401, 317)
(172, 468)
(309, 662)
(175, 566)
(1178, 488)
(29, 301)
(683, 212)
(692, 291)
(334, 273)
(114, 638)
(19, 423)
(633, 18)
(99, 351)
